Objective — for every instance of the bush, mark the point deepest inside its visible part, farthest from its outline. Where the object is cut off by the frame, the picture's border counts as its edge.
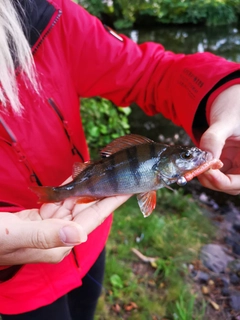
(125, 14)
(103, 122)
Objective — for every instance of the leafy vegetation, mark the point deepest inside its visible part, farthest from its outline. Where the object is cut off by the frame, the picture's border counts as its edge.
(103, 122)
(162, 289)
(124, 13)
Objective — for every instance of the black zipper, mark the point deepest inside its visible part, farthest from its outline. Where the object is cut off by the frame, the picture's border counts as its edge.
(74, 149)
(59, 13)
(20, 153)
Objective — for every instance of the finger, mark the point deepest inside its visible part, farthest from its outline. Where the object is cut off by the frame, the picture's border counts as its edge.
(91, 217)
(32, 255)
(47, 210)
(31, 215)
(42, 234)
(213, 140)
(65, 210)
(216, 180)
(58, 210)
(81, 207)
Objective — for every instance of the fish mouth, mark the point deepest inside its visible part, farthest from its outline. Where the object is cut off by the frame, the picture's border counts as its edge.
(209, 156)
(206, 156)
(203, 156)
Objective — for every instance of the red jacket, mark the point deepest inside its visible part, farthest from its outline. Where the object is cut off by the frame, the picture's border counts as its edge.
(76, 57)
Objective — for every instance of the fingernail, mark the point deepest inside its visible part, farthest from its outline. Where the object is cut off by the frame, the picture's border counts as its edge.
(72, 236)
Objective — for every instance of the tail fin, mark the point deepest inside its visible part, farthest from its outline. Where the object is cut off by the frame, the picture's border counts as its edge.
(46, 194)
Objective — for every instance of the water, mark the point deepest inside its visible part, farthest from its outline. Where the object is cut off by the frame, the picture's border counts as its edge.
(223, 41)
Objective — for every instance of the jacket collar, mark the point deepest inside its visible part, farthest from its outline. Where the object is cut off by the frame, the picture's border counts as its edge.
(35, 16)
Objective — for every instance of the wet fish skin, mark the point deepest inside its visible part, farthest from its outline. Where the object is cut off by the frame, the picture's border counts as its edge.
(130, 165)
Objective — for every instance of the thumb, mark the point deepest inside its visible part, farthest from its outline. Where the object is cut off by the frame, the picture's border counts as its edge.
(44, 234)
(214, 138)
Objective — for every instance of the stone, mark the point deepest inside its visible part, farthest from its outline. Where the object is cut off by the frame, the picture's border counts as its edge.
(236, 248)
(214, 258)
(225, 292)
(234, 300)
(225, 281)
(202, 277)
(229, 240)
(236, 226)
(234, 279)
(234, 266)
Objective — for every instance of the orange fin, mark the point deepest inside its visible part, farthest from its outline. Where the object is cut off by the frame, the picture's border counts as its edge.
(78, 167)
(123, 143)
(147, 202)
(87, 199)
(45, 194)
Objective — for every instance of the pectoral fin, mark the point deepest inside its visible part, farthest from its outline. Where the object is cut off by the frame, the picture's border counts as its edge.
(147, 202)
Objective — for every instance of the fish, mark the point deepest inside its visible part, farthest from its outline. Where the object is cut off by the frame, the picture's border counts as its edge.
(130, 164)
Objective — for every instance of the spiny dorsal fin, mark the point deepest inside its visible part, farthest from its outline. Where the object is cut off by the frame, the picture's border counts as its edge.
(79, 167)
(123, 143)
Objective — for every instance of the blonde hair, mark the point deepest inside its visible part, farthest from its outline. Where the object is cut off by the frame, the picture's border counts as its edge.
(15, 57)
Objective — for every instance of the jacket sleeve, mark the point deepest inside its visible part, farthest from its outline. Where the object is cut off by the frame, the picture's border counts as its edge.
(157, 80)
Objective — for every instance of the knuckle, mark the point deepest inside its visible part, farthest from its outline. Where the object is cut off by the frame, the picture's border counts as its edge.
(39, 240)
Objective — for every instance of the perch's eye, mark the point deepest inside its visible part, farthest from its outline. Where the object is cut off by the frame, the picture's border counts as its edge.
(186, 155)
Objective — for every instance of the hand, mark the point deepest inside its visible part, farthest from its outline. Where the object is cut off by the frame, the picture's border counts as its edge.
(222, 139)
(48, 235)
(89, 215)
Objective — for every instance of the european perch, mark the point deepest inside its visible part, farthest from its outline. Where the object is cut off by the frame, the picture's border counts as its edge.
(132, 164)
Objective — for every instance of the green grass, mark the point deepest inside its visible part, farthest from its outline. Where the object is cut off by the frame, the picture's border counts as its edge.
(174, 233)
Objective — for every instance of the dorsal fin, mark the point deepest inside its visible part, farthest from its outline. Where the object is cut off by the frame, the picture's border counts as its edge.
(123, 143)
(79, 167)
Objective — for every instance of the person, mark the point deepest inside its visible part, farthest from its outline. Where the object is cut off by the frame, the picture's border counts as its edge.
(53, 52)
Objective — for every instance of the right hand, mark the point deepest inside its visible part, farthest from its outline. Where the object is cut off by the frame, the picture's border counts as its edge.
(49, 234)
(222, 140)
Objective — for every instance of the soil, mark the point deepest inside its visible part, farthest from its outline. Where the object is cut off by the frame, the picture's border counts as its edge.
(221, 289)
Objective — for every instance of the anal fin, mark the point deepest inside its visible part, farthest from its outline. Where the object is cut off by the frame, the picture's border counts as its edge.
(86, 199)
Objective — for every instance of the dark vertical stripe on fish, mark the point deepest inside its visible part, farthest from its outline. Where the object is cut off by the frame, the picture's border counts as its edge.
(89, 183)
(134, 164)
(111, 173)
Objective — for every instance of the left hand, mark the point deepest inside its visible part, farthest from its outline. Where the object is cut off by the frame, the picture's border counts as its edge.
(89, 216)
(222, 140)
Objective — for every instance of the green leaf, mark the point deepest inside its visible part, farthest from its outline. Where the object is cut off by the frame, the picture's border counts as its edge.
(103, 122)
(116, 281)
